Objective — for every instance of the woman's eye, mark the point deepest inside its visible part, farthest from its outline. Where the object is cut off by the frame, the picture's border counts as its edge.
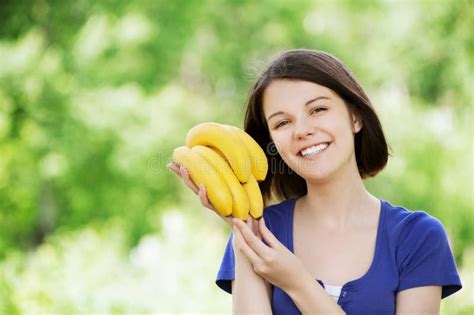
(318, 109)
(281, 123)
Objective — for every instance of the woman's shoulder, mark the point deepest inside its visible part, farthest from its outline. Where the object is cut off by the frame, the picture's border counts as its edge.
(402, 220)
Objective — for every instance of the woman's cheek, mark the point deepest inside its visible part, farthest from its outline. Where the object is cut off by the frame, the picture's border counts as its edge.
(292, 163)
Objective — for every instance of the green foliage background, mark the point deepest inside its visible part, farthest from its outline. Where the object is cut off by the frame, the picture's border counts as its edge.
(94, 95)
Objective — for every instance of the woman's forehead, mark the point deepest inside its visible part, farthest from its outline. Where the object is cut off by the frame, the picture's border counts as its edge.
(282, 93)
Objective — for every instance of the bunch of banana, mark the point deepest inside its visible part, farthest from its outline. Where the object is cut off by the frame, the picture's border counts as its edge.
(229, 163)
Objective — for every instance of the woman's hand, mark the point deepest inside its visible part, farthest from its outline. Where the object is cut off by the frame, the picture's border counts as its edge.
(273, 262)
(200, 191)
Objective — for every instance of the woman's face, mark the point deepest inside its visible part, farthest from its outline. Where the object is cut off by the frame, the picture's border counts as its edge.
(311, 128)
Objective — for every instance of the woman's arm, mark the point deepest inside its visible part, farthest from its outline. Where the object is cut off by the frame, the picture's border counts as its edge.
(250, 292)
(311, 298)
(419, 300)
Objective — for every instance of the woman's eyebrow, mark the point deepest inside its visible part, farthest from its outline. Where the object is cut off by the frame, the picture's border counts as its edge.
(316, 99)
(305, 104)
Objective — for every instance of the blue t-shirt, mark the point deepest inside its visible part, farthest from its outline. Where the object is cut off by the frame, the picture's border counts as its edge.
(411, 250)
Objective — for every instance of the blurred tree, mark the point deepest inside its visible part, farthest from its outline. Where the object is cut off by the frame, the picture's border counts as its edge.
(94, 96)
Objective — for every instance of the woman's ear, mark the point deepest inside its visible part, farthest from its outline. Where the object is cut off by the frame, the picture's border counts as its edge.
(356, 123)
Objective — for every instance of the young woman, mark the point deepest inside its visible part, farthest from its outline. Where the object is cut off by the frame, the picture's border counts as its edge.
(327, 246)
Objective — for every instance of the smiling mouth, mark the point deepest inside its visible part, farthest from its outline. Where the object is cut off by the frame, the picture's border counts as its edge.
(314, 150)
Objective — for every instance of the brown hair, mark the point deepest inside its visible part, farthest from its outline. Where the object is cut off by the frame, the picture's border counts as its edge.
(371, 149)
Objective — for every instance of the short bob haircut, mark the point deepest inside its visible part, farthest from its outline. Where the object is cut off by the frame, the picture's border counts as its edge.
(371, 149)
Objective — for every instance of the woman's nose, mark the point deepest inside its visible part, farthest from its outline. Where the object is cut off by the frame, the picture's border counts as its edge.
(303, 129)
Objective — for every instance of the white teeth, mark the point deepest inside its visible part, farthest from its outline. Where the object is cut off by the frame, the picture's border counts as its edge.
(315, 149)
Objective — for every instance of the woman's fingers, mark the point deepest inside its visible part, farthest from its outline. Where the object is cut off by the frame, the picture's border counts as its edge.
(200, 191)
(203, 196)
(183, 173)
(206, 203)
(267, 235)
(243, 247)
(256, 222)
(188, 181)
(253, 225)
(174, 167)
(250, 238)
(250, 225)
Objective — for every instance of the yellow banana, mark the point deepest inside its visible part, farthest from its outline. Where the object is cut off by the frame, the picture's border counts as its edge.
(255, 152)
(221, 138)
(240, 206)
(201, 172)
(255, 197)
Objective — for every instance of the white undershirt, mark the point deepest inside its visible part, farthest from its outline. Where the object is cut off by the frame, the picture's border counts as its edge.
(333, 290)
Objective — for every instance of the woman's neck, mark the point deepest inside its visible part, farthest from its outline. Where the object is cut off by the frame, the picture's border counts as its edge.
(338, 204)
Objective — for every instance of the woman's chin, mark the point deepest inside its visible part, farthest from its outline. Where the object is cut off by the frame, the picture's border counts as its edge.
(315, 175)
